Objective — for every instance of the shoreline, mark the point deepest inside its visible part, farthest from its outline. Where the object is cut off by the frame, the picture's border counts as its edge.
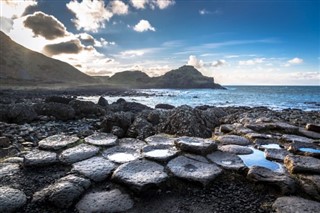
(136, 128)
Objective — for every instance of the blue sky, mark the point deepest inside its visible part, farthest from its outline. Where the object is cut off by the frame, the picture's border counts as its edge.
(238, 42)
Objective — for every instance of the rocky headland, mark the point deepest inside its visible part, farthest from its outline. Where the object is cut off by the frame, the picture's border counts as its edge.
(61, 154)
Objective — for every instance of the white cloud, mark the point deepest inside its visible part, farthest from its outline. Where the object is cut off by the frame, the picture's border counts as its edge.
(194, 61)
(139, 4)
(294, 61)
(15, 9)
(219, 63)
(143, 26)
(132, 53)
(118, 7)
(252, 61)
(163, 4)
(90, 14)
(203, 12)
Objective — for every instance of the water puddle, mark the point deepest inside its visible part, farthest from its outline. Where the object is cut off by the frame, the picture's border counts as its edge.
(226, 162)
(159, 153)
(122, 157)
(310, 150)
(271, 146)
(257, 159)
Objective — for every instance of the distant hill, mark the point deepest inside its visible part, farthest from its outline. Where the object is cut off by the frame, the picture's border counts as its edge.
(183, 78)
(23, 66)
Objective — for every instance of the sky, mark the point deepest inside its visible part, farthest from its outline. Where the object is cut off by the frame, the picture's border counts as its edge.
(238, 42)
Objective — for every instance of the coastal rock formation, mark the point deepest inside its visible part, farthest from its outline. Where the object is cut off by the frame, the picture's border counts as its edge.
(295, 204)
(11, 199)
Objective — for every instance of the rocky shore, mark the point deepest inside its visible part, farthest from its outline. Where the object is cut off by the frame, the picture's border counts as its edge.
(61, 154)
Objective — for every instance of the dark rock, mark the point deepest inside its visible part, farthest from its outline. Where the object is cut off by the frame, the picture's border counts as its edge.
(186, 121)
(309, 134)
(120, 119)
(154, 117)
(96, 168)
(123, 105)
(87, 108)
(236, 149)
(78, 153)
(227, 160)
(60, 111)
(58, 99)
(276, 154)
(103, 102)
(56, 142)
(21, 113)
(140, 175)
(102, 139)
(233, 140)
(140, 128)
(64, 192)
(295, 204)
(276, 126)
(302, 164)
(193, 170)
(267, 176)
(164, 106)
(4, 142)
(295, 138)
(118, 131)
(11, 199)
(105, 201)
(310, 185)
(196, 145)
(313, 127)
(40, 158)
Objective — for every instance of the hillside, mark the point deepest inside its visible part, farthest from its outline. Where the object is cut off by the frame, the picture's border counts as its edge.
(182, 78)
(23, 66)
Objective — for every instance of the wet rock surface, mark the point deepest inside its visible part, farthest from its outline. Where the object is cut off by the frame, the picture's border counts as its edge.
(11, 199)
(236, 149)
(233, 140)
(192, 170)
(140, 174)
(96, 168)
(78, 153)
(195, 145)
(227, 160)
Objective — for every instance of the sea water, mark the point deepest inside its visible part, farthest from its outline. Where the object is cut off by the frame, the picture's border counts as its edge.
(274, 97)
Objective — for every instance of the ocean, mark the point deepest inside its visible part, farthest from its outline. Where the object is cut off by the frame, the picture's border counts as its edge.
(306, 98)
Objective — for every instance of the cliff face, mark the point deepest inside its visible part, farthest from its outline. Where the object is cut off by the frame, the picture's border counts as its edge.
(185, 77)
(22, 65)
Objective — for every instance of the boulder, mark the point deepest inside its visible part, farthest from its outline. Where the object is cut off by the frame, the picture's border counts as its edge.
(302, 164)
(63, 192)
(196, 145)
(87, 108)
(267, 176)
(186, 121)
(140, 128)
(4, 142)
(232, 139)
(164, 106)
(40, 158)
(56, 142)
(102, 139)
(236, 149)
(103, 102)
(60, 111)
(105, 201)
(227, 161)
(140, 175)
(78, 153)
(58, 99)
(295, 204)
(309, 134)
(123, 105)
(95, 168)
(192, 170)
(20, 113)
(11, 199)
(120, 119)
(118, 131)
